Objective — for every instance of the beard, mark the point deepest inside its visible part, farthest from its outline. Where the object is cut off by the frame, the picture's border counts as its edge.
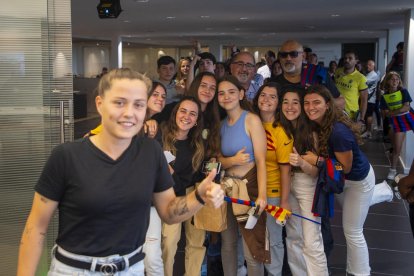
(289, 67)
(243, 78)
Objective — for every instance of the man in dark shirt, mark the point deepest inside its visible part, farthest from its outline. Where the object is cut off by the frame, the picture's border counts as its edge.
(295, 72)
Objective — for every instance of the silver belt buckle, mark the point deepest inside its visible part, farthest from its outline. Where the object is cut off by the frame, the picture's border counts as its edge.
(109, 269)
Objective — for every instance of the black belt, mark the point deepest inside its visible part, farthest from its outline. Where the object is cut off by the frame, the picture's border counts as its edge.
(107, 268)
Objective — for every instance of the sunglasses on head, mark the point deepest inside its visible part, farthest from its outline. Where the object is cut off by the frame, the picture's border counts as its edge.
(292, 54)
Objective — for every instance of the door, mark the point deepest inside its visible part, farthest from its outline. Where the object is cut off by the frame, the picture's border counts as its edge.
(35, 110)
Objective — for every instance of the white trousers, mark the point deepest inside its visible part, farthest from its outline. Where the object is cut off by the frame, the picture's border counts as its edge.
(304, 238)
(154, 265)
(355, 201)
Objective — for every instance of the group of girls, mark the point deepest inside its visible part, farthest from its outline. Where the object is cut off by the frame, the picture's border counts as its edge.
(279, 158)
(189, 130)
(274, 145)
(300, 127)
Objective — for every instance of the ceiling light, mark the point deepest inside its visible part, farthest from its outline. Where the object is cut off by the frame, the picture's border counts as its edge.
(127, 21)
(335, 15)
(244, 18)
(205, 16)
(141, 1)
(170, 17)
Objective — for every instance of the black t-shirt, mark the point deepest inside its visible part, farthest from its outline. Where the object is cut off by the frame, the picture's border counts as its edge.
(104, 204)
(318, 77)
(183, 168)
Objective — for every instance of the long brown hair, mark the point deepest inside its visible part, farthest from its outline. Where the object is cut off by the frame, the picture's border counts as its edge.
(180, 75)
(211, 116)
(256, 109)
(385, 83)
(170, 129)
(244, 103)
(332, 115)
(302, 134)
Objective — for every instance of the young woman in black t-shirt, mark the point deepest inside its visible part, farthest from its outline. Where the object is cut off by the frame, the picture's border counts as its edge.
(103, 186)
(181, 135)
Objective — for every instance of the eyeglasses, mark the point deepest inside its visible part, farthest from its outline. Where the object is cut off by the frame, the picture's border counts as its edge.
(292, 54)
(240, 64)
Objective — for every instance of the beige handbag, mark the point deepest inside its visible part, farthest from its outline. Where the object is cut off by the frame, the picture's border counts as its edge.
(211, 219)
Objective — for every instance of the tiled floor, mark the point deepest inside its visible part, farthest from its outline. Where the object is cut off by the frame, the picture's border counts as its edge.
(387, 229)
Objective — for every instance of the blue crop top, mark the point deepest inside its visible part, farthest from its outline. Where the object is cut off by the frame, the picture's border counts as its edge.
(234, 138)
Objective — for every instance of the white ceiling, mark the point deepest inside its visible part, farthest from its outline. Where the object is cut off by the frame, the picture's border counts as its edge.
(241, 22)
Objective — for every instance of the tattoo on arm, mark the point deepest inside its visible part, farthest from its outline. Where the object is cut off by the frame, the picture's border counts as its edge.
(179, 206)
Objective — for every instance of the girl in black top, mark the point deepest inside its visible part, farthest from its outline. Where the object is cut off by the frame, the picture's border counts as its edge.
(104, 185)
(181, 135)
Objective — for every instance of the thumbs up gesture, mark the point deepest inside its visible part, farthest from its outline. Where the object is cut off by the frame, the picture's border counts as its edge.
(241, 158)
(310, 157)
(295, 159)
(211, 192)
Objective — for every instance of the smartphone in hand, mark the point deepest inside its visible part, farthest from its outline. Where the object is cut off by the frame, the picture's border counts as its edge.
(208, 166)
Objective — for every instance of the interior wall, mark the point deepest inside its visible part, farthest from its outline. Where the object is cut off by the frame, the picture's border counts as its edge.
(89, 60)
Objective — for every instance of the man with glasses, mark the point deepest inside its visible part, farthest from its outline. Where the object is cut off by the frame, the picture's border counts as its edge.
(291, 56)
(243, 67)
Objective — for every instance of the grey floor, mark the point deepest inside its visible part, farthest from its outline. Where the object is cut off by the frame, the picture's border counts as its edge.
(387, 229)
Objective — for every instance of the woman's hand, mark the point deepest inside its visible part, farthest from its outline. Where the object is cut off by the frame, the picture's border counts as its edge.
(295, 159)
(310, 157)
(285, 205)
(262, 203)
(241, 158)
(151, 128)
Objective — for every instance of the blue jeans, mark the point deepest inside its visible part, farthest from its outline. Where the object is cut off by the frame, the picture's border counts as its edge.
(276, 242)
(60, 269)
